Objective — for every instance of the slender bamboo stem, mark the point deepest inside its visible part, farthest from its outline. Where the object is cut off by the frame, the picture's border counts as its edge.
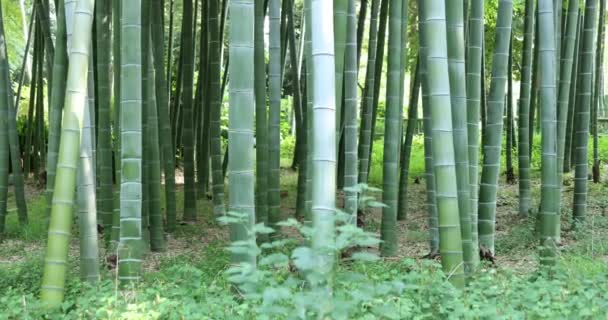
(492, 139)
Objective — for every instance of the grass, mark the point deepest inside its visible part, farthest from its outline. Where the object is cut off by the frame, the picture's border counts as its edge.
(188, 280)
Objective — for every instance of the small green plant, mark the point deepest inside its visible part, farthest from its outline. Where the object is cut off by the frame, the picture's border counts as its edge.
(290, 281)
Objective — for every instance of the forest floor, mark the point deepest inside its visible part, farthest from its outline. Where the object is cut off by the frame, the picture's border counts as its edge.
(201, 244)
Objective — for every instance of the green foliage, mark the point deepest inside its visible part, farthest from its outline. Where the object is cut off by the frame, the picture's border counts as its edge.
(535, 160)
(13, 25)
(287, 283)
(288, 147)
(31, 232)
(405, 289)
(194, 285)
(416, 162)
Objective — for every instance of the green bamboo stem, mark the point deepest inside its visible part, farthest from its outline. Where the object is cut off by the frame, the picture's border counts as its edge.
(474, 82)
(15, 152)
(116, 34)
(368, 95)
(598, 91)
(261, 117)
(295, 58)
(240, 123)
(557, 18)
(533, 91)
(492, 139)
(45, 28)
(34, 89)
(18, 180)
(309, 116)
(86, 196)
(350, 112)
(549, 205)
(104, 137)
(55, 268)
(25, 67)
(202, 106)
(215, 113)
(363, 7)
(340, 8)
(130, 247)
(324, 134)
(176, 110)
(392, 134)
(157, 240)
(5, 103)
(187, 118)
(458, 101)
(169, 71)
(406, 150)
(581, 117)
(565, 79)
(167, 154)
(444, 166)
(523, 133)
(431, 201)
(379, 67)
(509, 172)
(274, 115)
(568, 151)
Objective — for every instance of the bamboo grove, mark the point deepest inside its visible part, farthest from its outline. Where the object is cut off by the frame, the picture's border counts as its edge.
(130, 99)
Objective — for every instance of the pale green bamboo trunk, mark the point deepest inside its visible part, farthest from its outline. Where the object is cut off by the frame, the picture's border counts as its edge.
(549, 204)
(323, 134)
(392, 134)
(216, 98)
(274, 115)
(130, 248)
(55, 268)
(261, 117)
(581, 117)
(60, 61)
(444, 167)
(557, 19)
(86, 196)
(431, 203)
(157, 240)
(167, 154)
(474, 105)
(493, 135)
(523, 151)
(146, 135)
(350, 112)
(458, 91)
(240, 123)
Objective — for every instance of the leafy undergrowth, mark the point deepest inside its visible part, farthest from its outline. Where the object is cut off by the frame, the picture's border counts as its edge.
(189, 280)
(407, 289)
